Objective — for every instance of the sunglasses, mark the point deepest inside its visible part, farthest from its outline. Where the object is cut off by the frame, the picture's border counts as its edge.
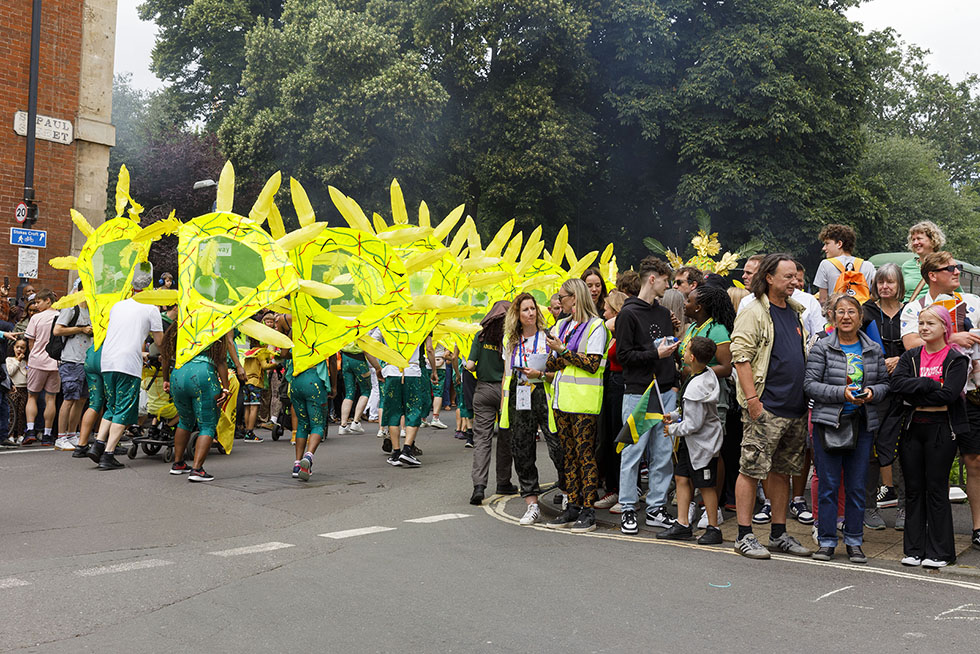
(952, 268)
(678, 282)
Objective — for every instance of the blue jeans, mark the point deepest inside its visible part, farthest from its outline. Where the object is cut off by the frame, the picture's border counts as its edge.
(660, 461)
(851, 468)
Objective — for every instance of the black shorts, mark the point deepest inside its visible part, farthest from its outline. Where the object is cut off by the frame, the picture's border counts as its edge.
(702, 477)
(970, 443)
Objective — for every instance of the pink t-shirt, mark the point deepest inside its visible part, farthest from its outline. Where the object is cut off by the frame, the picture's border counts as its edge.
(39, 328)
(931, 365)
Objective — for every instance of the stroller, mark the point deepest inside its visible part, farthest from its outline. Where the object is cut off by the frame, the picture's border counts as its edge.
(160, 433)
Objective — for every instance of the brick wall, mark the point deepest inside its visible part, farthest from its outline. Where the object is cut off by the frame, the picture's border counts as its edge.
(58, 92)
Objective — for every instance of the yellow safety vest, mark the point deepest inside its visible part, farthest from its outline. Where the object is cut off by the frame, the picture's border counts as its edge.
(505, 399)
(576, 390)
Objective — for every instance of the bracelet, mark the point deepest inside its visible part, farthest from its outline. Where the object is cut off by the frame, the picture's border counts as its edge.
(754, 397)
(224, 390)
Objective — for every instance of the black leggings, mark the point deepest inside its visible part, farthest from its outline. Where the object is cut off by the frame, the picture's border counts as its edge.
(926, 452)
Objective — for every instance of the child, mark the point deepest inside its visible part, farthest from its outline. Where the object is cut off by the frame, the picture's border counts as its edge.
(17, 370)
(699, 434)
(258, 359)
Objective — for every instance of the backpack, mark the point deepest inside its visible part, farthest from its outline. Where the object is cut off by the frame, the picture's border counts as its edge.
(851, 280)
(56, 344)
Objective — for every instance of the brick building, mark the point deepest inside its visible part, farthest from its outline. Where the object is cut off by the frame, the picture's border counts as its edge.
(74, 86)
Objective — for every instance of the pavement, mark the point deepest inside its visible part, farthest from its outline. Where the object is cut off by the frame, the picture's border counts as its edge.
(370, 558)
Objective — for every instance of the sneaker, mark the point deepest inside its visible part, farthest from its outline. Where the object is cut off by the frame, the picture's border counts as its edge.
(30, 437)
(711, 536)
(855, 554)
(824, 554)
(295, 469)
(250, 437)
(469, 441)
(764, 515)
(305, 467)
(382, 432)
(532, 515)
(788, 545)
(659, 517)
(956, 494)
(355, 428)
(200, 475)
(750, 547)
(566, 518)
(692, 513)
(974, 541)
(344, 430)
(386, 444)
(393, 458)
(887, 498)
(73, 439)
(9, 442)
(81, 452)
(677, 531)
(179, 468)
(62, 444)
(109, 462)
(799, 510)
(425, 423)
(616, 508)
(20, 440)
(408, 459)
(934, 563)
(416, 450)
(912, 561)
(459, 435)
(585, 522)
(900, 524)
(627, 524)
(438, 424)
(873, 520)
(703, 522)
(606, 501)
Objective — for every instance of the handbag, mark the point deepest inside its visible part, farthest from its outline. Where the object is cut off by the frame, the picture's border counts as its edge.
(840, 439)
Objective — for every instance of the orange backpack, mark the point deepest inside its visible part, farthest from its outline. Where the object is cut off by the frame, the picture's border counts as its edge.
(851, 280)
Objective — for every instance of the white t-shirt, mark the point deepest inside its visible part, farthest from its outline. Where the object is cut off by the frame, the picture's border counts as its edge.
(827, 272)
(390, 369)
(910, 316)
(439, 351)
(531, 346)
(129, 324)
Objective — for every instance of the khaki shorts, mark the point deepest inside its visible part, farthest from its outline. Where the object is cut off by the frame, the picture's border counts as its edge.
(48, 381)
(772, 444)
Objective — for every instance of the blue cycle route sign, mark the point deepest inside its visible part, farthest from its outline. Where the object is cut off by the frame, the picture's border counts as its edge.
(35, 238)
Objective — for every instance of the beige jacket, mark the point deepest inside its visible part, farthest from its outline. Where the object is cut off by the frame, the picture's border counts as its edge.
(752, 341)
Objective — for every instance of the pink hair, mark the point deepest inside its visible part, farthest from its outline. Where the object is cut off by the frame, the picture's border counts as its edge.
(942, 313)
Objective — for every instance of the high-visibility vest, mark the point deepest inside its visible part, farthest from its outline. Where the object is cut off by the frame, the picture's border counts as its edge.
(576, 390)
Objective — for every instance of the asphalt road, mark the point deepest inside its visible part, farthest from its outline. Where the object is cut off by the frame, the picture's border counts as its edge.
(139, 560)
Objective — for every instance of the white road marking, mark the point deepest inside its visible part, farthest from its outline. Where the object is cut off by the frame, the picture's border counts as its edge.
(350, 533)
(253, 549)
(28, 451)
(945, 615)
(14, 582)
(123, 567)
(833, 592)
(439, 518)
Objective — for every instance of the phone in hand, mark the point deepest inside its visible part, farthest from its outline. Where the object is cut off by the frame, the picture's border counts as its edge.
(861, 394)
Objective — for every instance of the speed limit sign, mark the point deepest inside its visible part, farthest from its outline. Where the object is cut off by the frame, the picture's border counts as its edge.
(21, 213)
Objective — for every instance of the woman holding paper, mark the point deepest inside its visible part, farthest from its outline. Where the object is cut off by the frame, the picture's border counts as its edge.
(524, 402)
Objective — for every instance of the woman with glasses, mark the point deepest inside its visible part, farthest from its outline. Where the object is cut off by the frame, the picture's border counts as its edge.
(846, 380)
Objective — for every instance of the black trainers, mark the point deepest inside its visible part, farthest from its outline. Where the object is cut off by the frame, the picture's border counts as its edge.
(887, 498)
(975, 541)
(627, 523)
(824, 554)
(711, 536)
(476, 498)
(585, 522)
(566, 518)
(81, 452)
(416, 450)
(109, 462)
(95, 451)
(386, 445)
(179, 468)
(394, 459)
(855, 554)
(408, 459)
(469, 441)
(30, 437)
(200, 475)
(677, 531)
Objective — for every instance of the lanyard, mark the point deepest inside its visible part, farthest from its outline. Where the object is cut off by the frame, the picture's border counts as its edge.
(520, 352)
(569, 334)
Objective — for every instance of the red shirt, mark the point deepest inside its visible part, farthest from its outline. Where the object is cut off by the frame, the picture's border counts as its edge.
(614, 364)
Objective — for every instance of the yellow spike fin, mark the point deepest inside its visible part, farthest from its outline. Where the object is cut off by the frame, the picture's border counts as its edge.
(473, 240)
(529, 257)
(460, 311)
(81, 223)
(355, 219)
(265, 334)
(301, 236)
(606, 255)
(207, 256)
(70, 300)
(160, 228)
(447, 224)
(64, 263)
(541, 281)
(162, 297)
(135, 210)
(478, 263)
(225, 199)
(398, 237)
(500, 239)
(263, 204)
(301, 203)
(421, 260)
(382, 351)
(582, 264)
(547, 255)
(398, 211)
(320, 290)
(122, 190)
(276, 228)
(281, 306)
(467, 328)
(379, 223)
(462, 236)
(533, 238)
(570, 255)
(558, 252)
(478, 280)
(514, 248)
(424, 218)
(434, 302)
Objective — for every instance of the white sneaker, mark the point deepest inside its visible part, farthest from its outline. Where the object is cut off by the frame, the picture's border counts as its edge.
(532, 515)
(438, 424)
(73, 439)
(382, 432)
(355, 428)
(344, 430)
(62, 443)
(692, 512)
(934, 563)
(607, 501)
(703, 522)
(911, 561)
(425, 422)
(616, 508)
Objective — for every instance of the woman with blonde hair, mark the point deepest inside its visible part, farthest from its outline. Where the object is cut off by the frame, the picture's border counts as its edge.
(924, 238)
(524, 402)
(578, 356)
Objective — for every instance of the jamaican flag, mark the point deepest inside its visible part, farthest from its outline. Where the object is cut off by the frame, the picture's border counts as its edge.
(649, 412)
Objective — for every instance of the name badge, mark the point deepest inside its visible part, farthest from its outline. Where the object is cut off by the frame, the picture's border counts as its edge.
(523, 398)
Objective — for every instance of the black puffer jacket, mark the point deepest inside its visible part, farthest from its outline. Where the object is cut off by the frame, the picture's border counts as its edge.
(923, 391)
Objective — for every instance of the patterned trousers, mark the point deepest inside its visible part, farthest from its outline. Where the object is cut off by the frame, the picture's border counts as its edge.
(577, 434)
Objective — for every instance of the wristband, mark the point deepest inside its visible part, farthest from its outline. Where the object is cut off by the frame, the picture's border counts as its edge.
(754, 397)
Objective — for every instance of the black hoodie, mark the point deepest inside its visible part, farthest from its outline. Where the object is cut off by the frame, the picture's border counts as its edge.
(637, 326)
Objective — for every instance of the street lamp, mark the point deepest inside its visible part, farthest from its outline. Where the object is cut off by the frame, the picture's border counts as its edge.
(202, 184)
